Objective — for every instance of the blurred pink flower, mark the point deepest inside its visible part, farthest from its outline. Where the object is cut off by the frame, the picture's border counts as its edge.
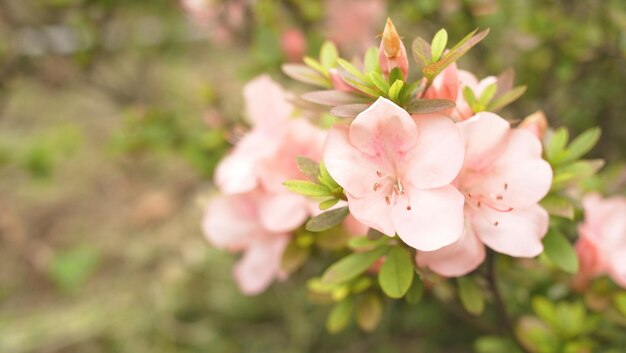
(536, 123)
(353, 24)
(397, 173)
(601, 247)
(503, 178)
(293, 44)
(256, 213)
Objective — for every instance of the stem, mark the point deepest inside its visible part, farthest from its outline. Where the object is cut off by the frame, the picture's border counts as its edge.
(501, 310)
(429, 83)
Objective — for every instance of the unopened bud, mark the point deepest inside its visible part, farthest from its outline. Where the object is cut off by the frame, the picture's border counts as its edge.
(537, 123)
(392, 52)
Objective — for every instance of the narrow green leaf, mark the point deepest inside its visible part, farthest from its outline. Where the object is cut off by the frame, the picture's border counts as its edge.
(395, 89)
(488, 94)
(350, 68)
(339, 316)
(471, 295)
(326, 204)
(577, 171)
(546, 311)
(333, 97)
(294, 257)
(371, 60)
(328, 55)
(432, 70)
(558, 205)
(582, 144)
(326, 179)
(305, 74)
(327, 220)
(379, 81)
(506, 98)
(394, 75)
(348, 110)
(362, 87)
(308, 167)
(369, 311)
(374, 234)
(620, 302)
(396, 274)
(315, 65)
(556, 144)
(307, 188)
(438, 45)
(560, 251)
(366, 243)
(469, 96)
(415, 292)
(352, 265)
(495, 344)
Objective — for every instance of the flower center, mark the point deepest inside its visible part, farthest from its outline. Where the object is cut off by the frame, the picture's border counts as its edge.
(491, 200)
(391, 188)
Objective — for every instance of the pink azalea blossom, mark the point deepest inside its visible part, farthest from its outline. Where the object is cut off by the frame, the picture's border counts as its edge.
(601, 247)
(353, 24)
(293, 44)
(397, 172)
(503, 178)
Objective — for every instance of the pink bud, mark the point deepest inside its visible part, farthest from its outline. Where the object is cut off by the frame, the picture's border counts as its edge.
(293, 44)
(392, 52)
(535, 123)
(338, 83)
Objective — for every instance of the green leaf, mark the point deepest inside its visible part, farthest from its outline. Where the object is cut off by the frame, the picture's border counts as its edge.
(71, 268)
(369, 311)
(582, 144)
(328, 55)
(324, 205)
(315, 65)
(362, 87)
(395, 89)
(396, 274)
(438, 45)
(577, 171)
(556, 144)
(495, 344)
(620, 302)
(432, 70)
(415, 292)
(308, 167)
(506, 98)
(546, 311)
(471, 295)
(294, 256)
(558, 205)
(327, 220)
(339, 316)
(348, 110)
(365, 243)
(379, 81)
(350, 68)
(307, 188)
(427, 106)
(326, 179)
(371, 60)
(560, 251)
(305, 74)
(470, 97)
(394, 75)
(421, 52)
(488, 94)
(352, 265)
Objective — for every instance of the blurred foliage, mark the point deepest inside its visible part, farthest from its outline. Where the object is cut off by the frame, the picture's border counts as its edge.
(87, 267)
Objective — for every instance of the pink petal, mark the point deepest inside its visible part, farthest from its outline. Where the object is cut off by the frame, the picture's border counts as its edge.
(436, 158)
(383, 131)
(350, 168)
(230, 221)
(516, 233)
(445, 85)
(283, 212)
(456, 259)
(434, 220)
(484, 135)
(266, 103)
(618, 267)
(372, 211)
(520, 170)
(260, 265)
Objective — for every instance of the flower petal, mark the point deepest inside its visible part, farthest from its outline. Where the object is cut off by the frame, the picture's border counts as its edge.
(372, 211)
(350, 168)
(434, 220)
(618, 267)
(260, 264)
(383, 131)
(436, 158)
(456, 259)
(230, 221)
(283, 212)
(266, 103)
(516, 233)
(483, 135)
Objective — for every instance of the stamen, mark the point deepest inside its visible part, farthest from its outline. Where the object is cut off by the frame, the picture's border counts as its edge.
(499, 197)
(408, 208)
(478, 203)
(496, 223)
(506, 186)
(387, 200)
(376, 186)
(379, 173)
(394, 189)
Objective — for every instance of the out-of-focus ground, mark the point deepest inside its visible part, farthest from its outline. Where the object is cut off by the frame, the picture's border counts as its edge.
(106, 156)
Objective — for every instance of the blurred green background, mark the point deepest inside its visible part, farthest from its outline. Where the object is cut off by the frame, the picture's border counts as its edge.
(114, 113)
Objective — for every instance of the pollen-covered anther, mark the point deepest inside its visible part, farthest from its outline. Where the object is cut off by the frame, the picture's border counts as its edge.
(408, 207)
(376, 186)
(379, 173)
(496, 223)
(387, 200)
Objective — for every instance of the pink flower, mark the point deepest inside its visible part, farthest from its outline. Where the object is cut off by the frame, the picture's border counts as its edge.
(353, 24)
(503, 178)
(536, 123)
(339, 83)
(293, 44)
(396, 173)
(467, 79)
(445, 85)
(235, 223)
(601, 247)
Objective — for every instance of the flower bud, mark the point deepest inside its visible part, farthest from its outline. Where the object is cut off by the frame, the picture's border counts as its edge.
(535, 123)
(392, 52)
